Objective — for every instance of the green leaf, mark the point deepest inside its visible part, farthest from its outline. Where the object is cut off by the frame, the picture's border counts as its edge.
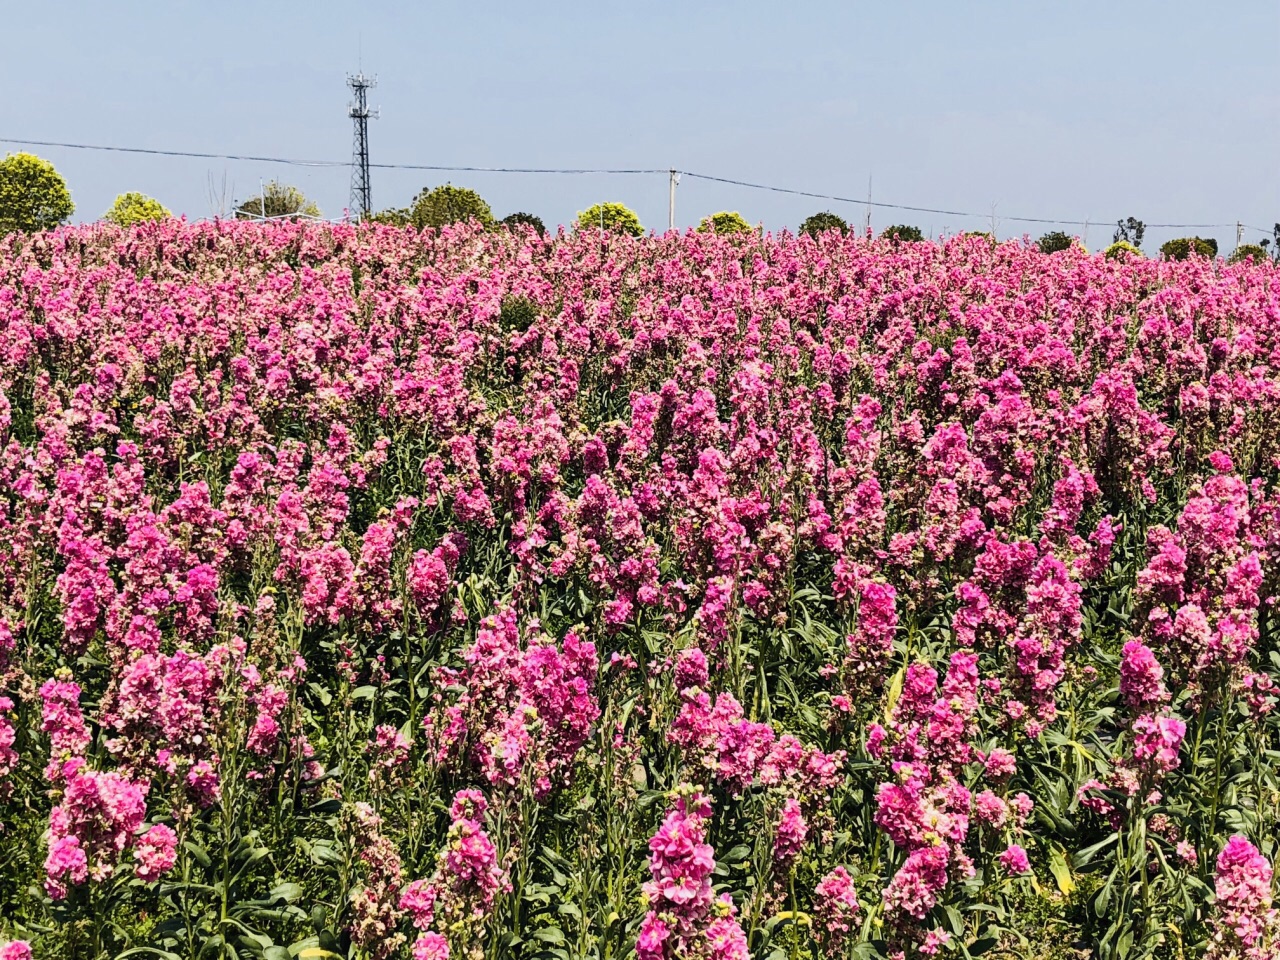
(1061, 870)
(201, 855)
(954, 920)
(288, 892)
(549, 935)
(895, 691)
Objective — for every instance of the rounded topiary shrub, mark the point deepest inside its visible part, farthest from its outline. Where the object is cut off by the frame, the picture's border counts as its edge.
(1055, 241)
(1248, 251)
(724, 222)
(33, 195)
(820, 223)
(1183, 247)
(133, 207)
(902, 232)
(448, 204)
(613, 217)
(521, 219)
(1121, 249)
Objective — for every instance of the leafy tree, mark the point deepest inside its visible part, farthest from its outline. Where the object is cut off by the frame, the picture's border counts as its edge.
(902, 232)
(446, 204)
(1130, 231)
(614, 217)
(1266, 243)
(392, 217)
(33, 195)
(1182, 247)
(134, 207)
(1121, 249)
(277, 200)
(820, 223)
(522, 219)
(725, 222)
(1247, 251)
(1055, 240)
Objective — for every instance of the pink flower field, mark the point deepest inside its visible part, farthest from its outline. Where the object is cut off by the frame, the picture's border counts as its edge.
(368, 593)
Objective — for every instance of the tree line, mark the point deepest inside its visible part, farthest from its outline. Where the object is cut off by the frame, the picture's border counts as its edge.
(34, 196)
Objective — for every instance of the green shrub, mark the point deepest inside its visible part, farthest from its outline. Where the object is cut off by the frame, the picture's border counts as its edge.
(614, 217)
(517, 313)
(903, 232)
(1247, 251)
(33, 195)
(392, 217)
(725, 222)
(277, 199)
(1183, 247)
(1054, 241)
(448, 204)
(133, 207)
(820, 223)
(522, 219)
(1121, 249)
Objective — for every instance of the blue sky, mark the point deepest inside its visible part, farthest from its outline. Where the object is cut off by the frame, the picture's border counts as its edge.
(1168, 111)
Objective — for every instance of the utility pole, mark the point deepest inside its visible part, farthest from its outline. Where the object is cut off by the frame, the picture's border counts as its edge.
(360, 203)
(866, 220)
(671, 198)
(1239, 233)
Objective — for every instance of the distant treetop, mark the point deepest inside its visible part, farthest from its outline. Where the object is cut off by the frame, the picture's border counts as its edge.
(134, 207)
(820, 223)
(446, 204)
(1055, 241)
(521, 219)
(613, 217)
(1182, 247)
(903, 232)
(33, 195)
(1130, 230)
(725, 222)
(277, 199)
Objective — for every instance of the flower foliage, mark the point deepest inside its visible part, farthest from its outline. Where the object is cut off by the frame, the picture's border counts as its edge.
(469, 593)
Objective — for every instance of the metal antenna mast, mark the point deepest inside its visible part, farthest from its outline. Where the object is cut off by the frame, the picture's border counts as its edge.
(360, 204)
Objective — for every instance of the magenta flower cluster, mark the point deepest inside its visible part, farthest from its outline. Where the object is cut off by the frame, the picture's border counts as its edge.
(366, 590)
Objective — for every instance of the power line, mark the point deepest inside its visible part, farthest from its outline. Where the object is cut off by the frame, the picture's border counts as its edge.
(324, 163)
(178, 153)
(914, 209)
(425, 166)
(864, 202)
(441, 168)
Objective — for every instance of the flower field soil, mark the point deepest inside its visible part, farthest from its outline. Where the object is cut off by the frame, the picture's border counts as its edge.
(368, 593)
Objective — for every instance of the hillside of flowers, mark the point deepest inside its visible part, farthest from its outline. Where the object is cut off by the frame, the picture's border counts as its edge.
(368, 593)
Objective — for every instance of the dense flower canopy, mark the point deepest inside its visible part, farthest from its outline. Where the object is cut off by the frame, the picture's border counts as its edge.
(459, 593)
